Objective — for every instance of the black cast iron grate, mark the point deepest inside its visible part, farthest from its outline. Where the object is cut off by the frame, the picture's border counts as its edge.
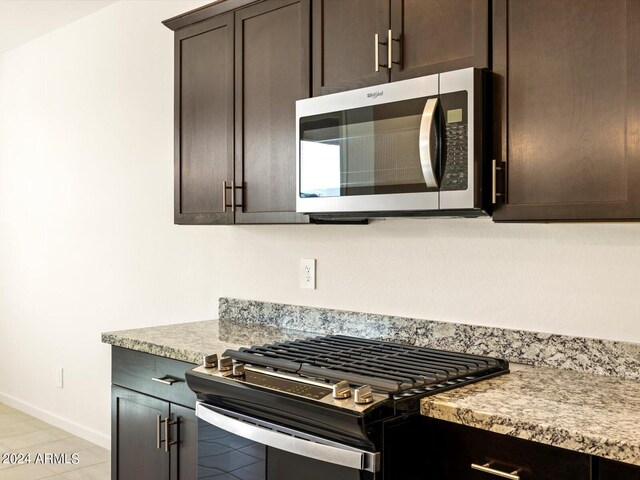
(386, 366)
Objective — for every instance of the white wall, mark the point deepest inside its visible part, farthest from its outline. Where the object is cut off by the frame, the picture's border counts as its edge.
(87, 242)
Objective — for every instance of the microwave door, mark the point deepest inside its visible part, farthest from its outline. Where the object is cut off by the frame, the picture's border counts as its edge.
(461, 155)
(368, 159)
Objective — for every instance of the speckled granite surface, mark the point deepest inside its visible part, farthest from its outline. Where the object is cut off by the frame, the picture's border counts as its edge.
(531, 348)
(587, 413)
(594, 414)
(189, 341)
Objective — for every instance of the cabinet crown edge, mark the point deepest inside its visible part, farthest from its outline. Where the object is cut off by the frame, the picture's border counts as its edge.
(205, 12)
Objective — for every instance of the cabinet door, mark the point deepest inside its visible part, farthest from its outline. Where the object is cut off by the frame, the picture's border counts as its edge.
(134, 434)
(568, 112)
(455, 448)
(184, 454)
(272, 72)
(437, 36)
(203, 121)
(344, 44)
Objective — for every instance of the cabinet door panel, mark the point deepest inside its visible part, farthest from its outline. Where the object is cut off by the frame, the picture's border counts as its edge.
(439, 36)
(272, 72)
(343, 44)
(135, 455)
(572, 108)
(184, 455)
(204, 120)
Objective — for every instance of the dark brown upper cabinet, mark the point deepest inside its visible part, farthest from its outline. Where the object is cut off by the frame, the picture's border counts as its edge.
(567, 109)
(203, 158)
(343, 44)
(238, 73)
(438, 36)
(427, 36)
(272, 72)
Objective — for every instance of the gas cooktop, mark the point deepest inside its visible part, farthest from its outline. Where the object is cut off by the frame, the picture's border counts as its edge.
(348, 372)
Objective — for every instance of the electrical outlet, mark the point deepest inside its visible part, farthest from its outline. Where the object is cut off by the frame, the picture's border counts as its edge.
(308, 273)
(60, 378)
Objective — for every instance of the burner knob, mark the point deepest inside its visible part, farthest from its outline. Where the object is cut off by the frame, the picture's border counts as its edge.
(363, 395)
(225, 364)
(238, 370)
(209, 361)
(341, 390)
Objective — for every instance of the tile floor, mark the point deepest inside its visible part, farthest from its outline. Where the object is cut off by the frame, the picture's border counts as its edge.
(21, 434)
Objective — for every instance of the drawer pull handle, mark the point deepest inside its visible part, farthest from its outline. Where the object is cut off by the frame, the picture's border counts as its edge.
(486, 468)
(165, 380)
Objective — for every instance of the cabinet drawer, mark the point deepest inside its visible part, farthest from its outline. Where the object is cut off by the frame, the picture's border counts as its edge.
(137, 370)
(455, 448)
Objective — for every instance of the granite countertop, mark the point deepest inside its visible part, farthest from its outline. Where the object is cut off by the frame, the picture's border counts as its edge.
(189, 341)
(588, 413)
(584, 412)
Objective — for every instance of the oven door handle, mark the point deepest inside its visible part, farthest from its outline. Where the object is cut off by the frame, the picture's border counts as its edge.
(289, 440)
(427, 125)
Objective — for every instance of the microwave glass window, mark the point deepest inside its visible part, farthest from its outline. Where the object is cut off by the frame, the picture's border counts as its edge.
(364, 151)
(320, 164)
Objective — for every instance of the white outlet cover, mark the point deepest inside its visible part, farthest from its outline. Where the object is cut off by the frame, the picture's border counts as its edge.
(60, 378)
(308, 273)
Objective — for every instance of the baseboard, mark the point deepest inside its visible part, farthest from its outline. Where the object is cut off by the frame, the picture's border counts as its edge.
(81, 431)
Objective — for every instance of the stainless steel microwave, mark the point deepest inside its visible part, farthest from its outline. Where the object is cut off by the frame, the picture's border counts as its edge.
(409, 147)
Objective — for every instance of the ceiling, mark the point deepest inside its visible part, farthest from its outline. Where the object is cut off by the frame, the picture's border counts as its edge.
(23, 20)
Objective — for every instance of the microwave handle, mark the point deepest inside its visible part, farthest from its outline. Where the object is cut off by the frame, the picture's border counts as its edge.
(288, 440)
(427, 124)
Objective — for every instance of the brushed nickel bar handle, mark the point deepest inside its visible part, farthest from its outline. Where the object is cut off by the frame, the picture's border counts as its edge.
(494, 188)
(494, 194)
(376, 51)
(167, 430)
(224, 195)
(164, 380)
(159, 440)
(389, 49)
(486, 468)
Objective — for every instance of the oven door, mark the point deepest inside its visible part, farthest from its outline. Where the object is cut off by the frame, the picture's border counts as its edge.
(370, 150)
(234, 446)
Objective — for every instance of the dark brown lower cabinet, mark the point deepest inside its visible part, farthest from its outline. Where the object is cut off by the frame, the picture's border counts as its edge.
(184, 460)
(135, 453)
(154, 432)
(459, 452)
(610, 470)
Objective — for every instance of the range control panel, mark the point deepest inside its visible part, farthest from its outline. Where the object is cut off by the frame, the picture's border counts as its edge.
(340, 395)
(285, 385)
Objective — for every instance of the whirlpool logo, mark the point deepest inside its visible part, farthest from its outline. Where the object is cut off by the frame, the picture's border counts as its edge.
(373, 95)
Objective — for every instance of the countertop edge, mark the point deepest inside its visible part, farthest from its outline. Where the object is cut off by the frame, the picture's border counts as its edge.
(536, 432)
(150, 347)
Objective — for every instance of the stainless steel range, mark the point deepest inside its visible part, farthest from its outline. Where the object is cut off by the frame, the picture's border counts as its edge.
(332, 407)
